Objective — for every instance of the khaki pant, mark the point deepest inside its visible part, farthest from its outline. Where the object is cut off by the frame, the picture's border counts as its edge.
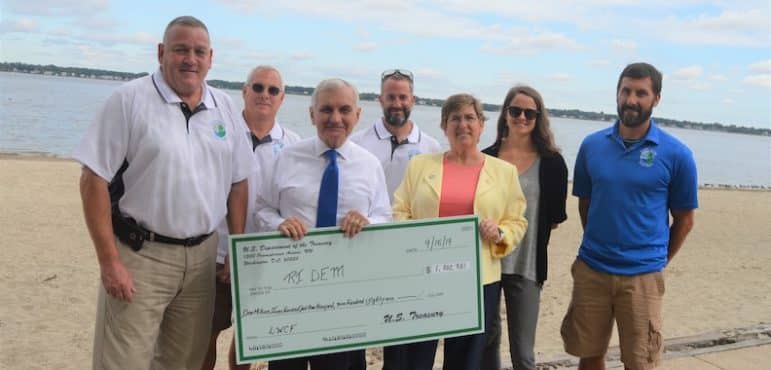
(168, 323)
(634, 301)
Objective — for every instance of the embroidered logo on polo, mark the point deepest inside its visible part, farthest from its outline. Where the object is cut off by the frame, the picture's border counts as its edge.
(219, 130)
(277, 146)
(647, 156)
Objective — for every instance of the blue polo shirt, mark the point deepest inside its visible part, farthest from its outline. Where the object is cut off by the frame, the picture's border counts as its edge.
(631, 191)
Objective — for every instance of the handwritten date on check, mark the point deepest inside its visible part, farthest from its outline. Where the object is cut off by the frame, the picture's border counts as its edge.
(390, 284)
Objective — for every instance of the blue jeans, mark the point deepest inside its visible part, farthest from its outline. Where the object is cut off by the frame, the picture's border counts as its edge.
(460, 353)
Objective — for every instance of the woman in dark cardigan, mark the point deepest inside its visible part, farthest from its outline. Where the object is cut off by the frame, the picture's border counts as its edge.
(525, 140)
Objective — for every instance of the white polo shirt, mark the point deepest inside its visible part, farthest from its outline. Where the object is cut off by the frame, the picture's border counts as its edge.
(265, 154)
(394, 158)
(179, 173)
(293, 189)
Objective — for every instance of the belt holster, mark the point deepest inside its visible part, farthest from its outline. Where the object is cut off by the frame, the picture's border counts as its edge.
(127, 230)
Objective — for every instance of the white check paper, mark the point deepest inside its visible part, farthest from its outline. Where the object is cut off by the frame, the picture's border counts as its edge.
(390, 284)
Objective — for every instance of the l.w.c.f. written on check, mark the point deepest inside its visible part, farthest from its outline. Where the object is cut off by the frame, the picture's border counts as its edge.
(392, 283)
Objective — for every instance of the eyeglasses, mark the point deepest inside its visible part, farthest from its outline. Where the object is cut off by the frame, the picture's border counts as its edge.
(272, 90)
(396, 72)
(530, 114)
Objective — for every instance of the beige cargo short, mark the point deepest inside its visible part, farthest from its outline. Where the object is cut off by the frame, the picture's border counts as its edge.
(635, 303)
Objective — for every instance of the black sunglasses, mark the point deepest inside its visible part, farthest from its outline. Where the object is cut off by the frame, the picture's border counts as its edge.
(396, 72)
(272, 90)
(530, 114)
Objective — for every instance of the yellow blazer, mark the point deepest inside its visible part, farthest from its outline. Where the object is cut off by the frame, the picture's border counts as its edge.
(498, 197)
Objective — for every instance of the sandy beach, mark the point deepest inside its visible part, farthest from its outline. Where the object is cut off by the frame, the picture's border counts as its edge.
(49, 280)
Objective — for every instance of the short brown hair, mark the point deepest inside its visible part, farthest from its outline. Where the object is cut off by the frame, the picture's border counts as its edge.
(639, 71)
(455, 102)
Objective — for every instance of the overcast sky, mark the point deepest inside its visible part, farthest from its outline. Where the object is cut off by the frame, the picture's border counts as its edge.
(715, 55)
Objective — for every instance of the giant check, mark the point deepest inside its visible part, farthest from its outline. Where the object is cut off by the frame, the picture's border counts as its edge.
(392, 283)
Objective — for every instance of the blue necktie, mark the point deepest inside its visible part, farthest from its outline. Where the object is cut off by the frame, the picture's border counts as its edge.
(326, 214)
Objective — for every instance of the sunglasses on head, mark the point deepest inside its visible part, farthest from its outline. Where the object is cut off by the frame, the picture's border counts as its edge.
(272, 90)
(396, 72)
(530, 114)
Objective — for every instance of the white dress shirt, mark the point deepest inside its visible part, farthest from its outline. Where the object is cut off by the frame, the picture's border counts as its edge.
(377, 140)
(293, 188)
(265, 155)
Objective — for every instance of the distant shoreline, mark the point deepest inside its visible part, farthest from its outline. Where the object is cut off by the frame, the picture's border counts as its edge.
(99, 74)
(42, 156)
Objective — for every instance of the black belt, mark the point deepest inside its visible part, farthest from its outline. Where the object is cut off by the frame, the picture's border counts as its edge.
(133, 234)
(187, 242)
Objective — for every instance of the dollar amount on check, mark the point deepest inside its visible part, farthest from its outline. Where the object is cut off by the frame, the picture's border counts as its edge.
(390, 284)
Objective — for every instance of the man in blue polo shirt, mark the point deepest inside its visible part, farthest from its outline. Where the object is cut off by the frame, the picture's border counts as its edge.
(629, 178)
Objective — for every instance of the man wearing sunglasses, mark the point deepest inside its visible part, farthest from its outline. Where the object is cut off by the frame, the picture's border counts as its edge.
(263, 94)
(629, 179)
(395, 138)
(163, 163)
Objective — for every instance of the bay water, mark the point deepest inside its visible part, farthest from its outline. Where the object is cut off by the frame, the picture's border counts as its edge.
(49, 114)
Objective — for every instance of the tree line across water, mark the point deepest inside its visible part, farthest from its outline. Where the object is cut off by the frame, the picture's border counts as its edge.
(302, 90)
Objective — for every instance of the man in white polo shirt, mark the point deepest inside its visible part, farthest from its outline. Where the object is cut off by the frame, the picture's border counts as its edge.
(163, 164)
(263, 94)
(395, 138)
(326, 180)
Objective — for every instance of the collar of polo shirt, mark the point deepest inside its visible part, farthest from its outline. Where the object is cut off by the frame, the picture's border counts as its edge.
(383, 134)
(168, 94)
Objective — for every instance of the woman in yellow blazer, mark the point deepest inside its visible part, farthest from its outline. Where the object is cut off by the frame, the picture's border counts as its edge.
(461, 181)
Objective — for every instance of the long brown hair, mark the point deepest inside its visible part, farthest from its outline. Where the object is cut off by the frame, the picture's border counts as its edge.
(542, 136)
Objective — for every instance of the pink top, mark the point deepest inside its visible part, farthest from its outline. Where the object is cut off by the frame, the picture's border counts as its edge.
(459, 185)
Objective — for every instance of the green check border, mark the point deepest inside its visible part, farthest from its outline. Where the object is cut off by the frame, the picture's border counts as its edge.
(236, 239)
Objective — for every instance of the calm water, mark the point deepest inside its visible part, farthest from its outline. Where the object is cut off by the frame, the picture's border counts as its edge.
(49, 115)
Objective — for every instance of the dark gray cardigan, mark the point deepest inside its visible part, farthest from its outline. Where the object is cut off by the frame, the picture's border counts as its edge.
(553, 180)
